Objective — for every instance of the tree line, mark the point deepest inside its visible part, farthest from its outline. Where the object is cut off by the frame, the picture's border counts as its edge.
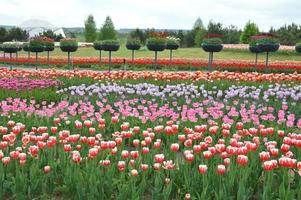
(288, 34)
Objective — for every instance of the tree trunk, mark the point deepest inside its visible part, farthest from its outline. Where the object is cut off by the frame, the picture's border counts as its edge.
(36, 60)
(267, 62)
(110, 60)
(10, 60)
(48, 57)
(133, 52)
(156, 55)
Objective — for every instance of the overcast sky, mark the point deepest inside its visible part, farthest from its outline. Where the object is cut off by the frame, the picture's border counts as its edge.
(170, 14)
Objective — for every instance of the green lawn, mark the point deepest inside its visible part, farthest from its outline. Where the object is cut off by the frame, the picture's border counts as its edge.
(182, 53)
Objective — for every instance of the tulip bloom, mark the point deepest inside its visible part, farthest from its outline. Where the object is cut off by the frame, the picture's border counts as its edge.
(203, 169)
(221, 169)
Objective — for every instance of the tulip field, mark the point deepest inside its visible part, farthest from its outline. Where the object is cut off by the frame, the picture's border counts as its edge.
(149, 135)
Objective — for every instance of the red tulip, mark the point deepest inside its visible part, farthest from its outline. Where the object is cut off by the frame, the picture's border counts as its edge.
(5, 160)
(159, 158)
(144, 167)
(221, 169)
(174, 147)
(134, 172)
(47, 169)
(203, 169)
(242, 160)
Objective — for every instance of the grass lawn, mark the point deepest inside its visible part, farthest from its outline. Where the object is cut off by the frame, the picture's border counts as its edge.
(180, 53)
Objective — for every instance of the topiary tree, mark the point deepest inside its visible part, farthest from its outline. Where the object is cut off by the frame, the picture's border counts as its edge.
(1, 48)
(10, 48)
(212, 45)
(19, 49)
(98, 46)
(107, 31)
(90, 29)
(49, 46)
(172, 44)
(68, 45)
(268, 44)
(37, 46)
(110, 45)
(133, 44)
(254, 48)
(26, 48)
(250, 29)
(156, 44)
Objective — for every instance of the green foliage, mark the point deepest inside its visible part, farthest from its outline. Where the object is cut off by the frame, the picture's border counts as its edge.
(37, 43)
(3, 34)
(215, 28)
(110, 42)
(9, 45)
(250, 29)
(52, 35)
(212, 41)
(253, 43)
(90, 29)
(198, 24)
(170, 41)
(298, 44)
(156, 41)
(231, 35)
(107, 31)
(268, 40)
(288, 34)
(97, 43)
(26, 46)
(198, 39)
(68, 42)
(139, 34)
(133, 41)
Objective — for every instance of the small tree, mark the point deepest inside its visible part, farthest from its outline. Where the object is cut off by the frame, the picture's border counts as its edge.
(133, 44)
(107, 31)
(156, 44)
(110, 45)
(250, 29)
(10, 48)
(3, 34)
(48, 46)
(98, 46)
(172, 44)
(198, 39)
(68, 45)
(198, 24)
(90, 29)
(138, 34)
(37, 45)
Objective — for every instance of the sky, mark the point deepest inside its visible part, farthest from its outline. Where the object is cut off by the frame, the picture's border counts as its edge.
(164, 14)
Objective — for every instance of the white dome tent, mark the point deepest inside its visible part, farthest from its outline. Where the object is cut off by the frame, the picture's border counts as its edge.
(36, 26)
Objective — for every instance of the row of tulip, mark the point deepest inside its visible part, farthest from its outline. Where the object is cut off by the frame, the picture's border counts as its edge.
(150, 135)
(287, 65)
(149, 75)
(26, 84)
(111, 158)
(283, 92)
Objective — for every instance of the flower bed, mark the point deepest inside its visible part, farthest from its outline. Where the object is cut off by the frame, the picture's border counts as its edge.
(151, 135)
(26, 84)
(196, 63)
(167, 76)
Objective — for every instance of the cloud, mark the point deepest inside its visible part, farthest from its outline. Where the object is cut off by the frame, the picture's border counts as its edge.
(177, 14)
